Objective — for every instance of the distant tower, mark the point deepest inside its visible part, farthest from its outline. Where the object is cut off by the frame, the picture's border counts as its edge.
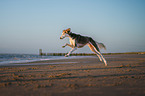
(40, 52)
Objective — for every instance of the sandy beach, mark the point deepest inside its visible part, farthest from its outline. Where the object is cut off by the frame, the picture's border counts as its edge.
(124, 75)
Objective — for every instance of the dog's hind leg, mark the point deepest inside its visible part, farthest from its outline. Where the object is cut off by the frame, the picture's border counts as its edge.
(92, 49)
(73, 49)
(97, 50)
(101, 56)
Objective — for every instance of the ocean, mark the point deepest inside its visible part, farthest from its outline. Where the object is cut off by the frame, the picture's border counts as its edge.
(24, 58)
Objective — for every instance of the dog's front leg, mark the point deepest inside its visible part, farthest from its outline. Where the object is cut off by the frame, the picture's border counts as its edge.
(67, 45)
(73, 49)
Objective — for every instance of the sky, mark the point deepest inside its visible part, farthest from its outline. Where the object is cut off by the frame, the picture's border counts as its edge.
(29, 25)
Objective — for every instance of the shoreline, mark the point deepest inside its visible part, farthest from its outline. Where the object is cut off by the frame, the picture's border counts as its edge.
(124, 75)
(19, 62)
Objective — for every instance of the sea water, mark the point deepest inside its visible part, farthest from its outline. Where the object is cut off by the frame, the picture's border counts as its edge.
(24, 58)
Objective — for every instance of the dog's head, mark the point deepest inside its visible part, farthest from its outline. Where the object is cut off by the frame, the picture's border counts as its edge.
(65, 33)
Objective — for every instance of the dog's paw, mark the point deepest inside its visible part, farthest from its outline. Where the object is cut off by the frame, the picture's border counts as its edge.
(66, 55)
(63, 46)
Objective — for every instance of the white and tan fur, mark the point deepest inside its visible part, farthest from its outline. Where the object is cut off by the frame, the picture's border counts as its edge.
(79, 41)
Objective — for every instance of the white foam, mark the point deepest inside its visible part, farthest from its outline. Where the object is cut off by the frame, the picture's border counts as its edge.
(44, 63)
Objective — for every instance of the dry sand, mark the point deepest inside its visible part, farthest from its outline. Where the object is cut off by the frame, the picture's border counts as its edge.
(124, 75)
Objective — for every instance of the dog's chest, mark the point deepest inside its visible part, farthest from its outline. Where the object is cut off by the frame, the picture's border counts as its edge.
(72, 41)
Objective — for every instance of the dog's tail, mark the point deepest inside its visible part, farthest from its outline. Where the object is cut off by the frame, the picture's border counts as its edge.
(101, 45)
(97, 45)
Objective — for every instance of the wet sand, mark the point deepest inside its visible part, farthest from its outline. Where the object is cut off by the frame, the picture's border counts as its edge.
(124, 75)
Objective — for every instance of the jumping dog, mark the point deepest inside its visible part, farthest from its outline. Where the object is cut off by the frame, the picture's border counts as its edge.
(79, 41)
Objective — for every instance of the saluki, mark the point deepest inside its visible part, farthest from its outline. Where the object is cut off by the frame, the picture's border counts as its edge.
(78, 41)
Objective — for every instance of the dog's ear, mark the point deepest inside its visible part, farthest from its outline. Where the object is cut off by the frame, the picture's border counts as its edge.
(68, 30)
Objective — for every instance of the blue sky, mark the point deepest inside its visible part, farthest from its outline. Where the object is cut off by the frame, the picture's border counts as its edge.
(28, 25)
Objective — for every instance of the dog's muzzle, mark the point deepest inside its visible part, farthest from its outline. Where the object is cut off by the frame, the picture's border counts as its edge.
(61, 37)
